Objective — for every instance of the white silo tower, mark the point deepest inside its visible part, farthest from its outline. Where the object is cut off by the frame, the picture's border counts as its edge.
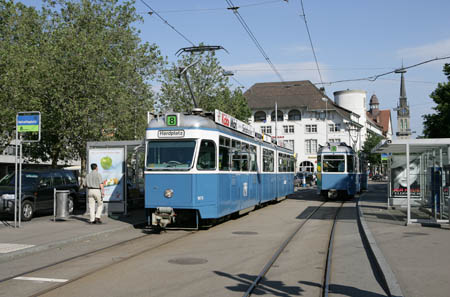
(354, 101)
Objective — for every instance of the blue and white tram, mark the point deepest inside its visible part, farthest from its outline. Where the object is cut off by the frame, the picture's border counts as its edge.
(338, 171)
(204, 167)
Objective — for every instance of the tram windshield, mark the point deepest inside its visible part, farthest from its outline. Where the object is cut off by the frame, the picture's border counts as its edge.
(170, 155)
(334, 163)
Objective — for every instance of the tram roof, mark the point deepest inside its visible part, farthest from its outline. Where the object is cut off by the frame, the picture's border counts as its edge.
(206, 120)
(336, 147)
(416, 146)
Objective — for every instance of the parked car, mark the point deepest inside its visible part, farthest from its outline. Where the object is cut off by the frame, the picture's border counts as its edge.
(38, 191)
(298, 178)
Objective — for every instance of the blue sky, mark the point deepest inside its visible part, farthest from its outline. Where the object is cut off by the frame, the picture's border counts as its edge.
(352, 39)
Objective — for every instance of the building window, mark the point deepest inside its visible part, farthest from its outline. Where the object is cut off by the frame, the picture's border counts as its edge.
(311, 128)
(260, 116)
(289, 144)
(334, 140)
(294, 115)
(334, 127)
(306, 166)
(288, 129)
(279, 116)
(311, 146)
(266, 130)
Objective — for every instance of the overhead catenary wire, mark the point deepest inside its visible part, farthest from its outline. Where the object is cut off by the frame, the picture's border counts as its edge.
(375, 77)
(218, 8)
(178, 32)
(310, 41)
(253, 38)
(167, 23)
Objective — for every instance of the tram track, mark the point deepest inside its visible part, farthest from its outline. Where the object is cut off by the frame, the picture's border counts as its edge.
(327, 269)
(116, 257)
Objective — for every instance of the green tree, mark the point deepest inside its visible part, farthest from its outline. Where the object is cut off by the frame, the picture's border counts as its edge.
(91, 75)
(371, 141)
(211, 88)
(437, 125)
(20, 63)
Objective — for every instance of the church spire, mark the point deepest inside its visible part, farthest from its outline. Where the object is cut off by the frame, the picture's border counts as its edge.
(403, 117)
(402, 86)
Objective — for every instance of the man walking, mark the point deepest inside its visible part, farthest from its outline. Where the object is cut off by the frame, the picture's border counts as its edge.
(96, 192)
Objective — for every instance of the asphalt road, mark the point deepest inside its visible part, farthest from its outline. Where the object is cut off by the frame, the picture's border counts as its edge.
(223, 260)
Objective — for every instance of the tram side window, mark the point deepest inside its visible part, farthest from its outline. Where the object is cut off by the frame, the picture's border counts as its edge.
(334, 163)
(350, 164)
(244, 161)
(283, 163)
(236, 161)
(253, 164)
(224, 154)
(291, 164)
(280, 163)
(268, 160)
(207, 155)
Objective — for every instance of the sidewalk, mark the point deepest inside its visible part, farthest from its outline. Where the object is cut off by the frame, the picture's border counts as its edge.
(417, 256)
(43, 233)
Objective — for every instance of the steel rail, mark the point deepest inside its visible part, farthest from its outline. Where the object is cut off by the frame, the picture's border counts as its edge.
(90, 272)
(278, 253)
(327, 275)
(83, 255)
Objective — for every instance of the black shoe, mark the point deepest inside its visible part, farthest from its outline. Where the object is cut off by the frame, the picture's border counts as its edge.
(98, 221)
(92, 222)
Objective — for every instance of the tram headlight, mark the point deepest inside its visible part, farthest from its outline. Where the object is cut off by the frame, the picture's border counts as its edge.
(168, 193)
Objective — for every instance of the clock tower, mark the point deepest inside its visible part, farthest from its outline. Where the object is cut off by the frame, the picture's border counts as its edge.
(403, 118)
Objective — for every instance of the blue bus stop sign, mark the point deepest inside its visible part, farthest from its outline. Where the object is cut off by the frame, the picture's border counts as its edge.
(28, 125)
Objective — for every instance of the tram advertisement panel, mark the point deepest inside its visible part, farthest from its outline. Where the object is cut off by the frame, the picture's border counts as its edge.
(399, 181)
(110, 165)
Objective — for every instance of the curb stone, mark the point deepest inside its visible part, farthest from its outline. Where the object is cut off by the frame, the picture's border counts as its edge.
(388, 276)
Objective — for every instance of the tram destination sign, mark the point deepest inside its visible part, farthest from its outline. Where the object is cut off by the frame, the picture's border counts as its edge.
(170, 133)
(228, 121)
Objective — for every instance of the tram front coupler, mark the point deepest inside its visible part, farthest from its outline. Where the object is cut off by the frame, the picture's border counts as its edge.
(163, 216)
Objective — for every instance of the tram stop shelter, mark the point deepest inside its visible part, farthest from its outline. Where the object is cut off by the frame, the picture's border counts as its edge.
(121, 165)
(423, 186)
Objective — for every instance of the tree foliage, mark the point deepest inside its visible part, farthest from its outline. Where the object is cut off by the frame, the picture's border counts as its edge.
(371, 141)
(437, 125)
(85, 69)
(211, 88)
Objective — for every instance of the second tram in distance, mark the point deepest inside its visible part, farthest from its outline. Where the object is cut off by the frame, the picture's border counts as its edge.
(202, 167)
(338, 171)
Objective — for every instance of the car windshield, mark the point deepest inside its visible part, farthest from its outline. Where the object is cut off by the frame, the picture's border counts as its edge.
(170, 155)
(27, 179)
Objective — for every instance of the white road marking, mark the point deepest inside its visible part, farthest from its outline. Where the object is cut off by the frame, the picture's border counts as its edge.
(12, 247)
(41, 279)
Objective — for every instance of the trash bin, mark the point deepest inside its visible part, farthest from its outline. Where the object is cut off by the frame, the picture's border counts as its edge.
(61, 204)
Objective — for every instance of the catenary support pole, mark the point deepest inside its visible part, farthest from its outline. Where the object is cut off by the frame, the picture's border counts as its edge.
(408, 220)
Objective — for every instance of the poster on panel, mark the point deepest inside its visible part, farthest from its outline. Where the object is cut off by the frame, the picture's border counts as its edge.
(399, 181)
(110, 166)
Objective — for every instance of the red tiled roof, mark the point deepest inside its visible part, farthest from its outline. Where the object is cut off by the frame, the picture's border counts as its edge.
(382, 118)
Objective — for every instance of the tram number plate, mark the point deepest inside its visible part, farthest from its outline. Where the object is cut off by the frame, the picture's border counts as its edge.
(170, 133)
(171, 120)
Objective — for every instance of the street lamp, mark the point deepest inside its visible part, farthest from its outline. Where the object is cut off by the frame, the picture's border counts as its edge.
(326, 118)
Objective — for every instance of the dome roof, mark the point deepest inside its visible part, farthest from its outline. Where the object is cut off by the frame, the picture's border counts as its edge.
(374, 100)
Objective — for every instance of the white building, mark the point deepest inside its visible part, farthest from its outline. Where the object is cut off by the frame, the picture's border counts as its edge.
(307, 118)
